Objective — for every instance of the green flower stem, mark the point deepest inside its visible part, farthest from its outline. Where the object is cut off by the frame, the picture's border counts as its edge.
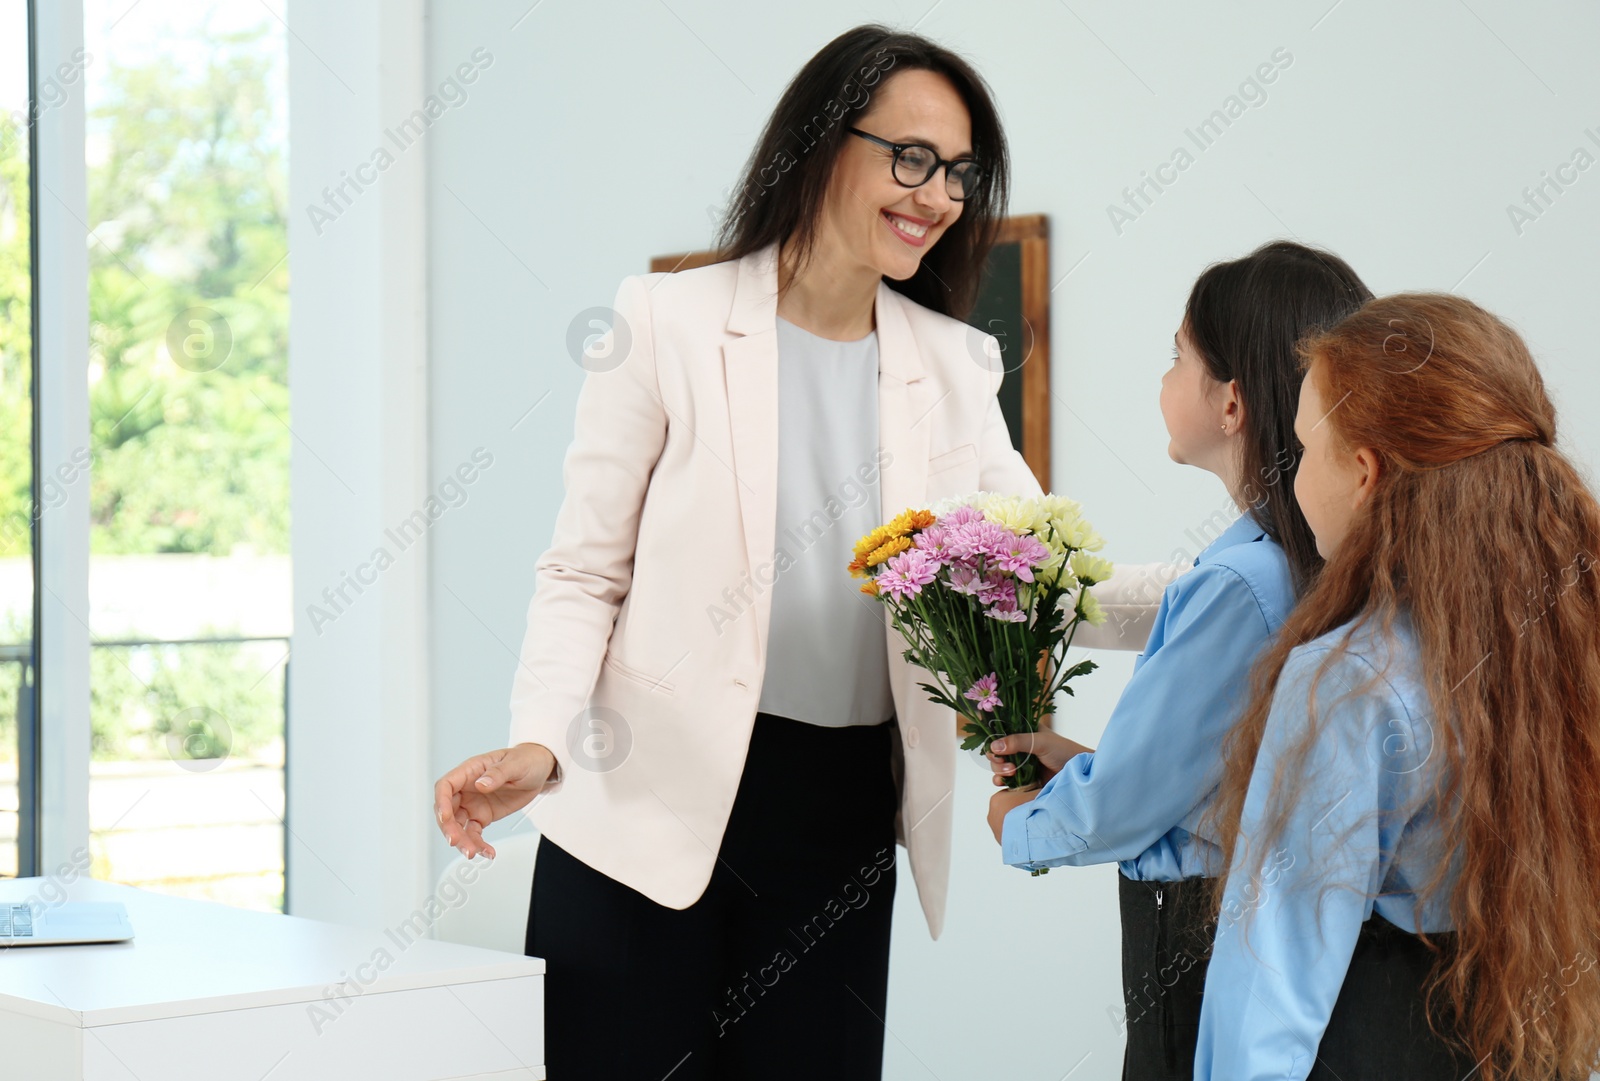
(923, 649)
(956, 661)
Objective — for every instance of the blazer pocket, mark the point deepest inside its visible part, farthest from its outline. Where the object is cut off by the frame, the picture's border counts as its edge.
(966, 452)
(629, 672)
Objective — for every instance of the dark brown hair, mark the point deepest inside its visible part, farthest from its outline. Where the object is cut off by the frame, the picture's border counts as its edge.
(1486, 534)
(787, 176)
(1244, 317)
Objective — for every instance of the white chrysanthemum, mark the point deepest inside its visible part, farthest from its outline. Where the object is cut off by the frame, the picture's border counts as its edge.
(1053, 573)
(1060, 507)
(1058, 550)
(1090, 609)
(1090, 569)
(1016, 513)
(948, 504)
(1078, 533)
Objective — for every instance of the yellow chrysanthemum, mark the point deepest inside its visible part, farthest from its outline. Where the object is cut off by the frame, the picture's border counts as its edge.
(908, 521)
(894, 546)
(871, 541)
(871, 587)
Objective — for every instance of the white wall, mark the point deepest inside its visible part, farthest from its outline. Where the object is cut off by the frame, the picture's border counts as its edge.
(1397, 136)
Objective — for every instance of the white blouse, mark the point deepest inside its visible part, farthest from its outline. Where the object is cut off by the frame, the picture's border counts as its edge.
(827, 655)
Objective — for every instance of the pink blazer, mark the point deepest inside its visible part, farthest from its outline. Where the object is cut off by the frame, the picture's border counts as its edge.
(631, 671)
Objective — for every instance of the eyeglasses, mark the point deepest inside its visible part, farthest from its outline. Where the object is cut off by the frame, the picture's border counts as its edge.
(915, 164)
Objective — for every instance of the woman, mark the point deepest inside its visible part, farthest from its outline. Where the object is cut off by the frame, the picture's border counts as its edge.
(1228, 402)
(702, 693)
(1411, 808)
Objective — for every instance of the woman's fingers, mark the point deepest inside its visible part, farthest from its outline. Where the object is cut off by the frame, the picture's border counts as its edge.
(486, 788)
(446, 804)
(452, 794)
(474, 844)
(489, 780)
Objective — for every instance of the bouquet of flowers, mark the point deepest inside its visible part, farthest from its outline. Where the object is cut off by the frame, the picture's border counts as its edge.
(976, 585)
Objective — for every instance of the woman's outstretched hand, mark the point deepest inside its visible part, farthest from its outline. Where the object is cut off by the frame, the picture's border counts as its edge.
(1052, 750)
(484, 789)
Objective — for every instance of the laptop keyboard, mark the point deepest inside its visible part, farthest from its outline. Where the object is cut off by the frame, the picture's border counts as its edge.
(16, 921)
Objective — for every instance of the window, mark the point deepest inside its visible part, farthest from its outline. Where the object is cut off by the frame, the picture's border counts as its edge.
(21, 500)
(186, 155)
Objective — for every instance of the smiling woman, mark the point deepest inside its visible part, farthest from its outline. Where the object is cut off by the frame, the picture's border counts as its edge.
(930, 97)
(709, 782)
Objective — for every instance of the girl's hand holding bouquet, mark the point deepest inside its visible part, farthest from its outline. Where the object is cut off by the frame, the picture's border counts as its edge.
(987, 591)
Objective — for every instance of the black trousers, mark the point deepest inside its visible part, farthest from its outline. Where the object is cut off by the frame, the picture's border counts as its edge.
(780, 969)
(1378, 1030)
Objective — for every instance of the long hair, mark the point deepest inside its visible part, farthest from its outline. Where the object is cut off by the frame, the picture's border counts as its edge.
(786, 179)
(1486, 534)
(1245, 317)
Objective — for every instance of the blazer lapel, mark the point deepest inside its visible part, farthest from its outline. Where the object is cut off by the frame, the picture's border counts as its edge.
(750, 368)
(903, 408)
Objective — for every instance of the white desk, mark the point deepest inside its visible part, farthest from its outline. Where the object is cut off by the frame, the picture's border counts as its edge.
(205, 992)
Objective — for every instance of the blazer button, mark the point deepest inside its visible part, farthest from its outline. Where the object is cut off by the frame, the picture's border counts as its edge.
(913, 737)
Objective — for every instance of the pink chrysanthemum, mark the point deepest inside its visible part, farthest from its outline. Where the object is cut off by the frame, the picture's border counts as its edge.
(984, 692)
(1021, 555)
(905, 574)
(996, 584)
(934, 542)
(961, 516)
(1005, 609)
(965, 579)
(979, 538)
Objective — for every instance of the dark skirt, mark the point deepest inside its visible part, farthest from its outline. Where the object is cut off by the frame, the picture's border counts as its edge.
(1378, 1030)
(1379, 1026)
(781, 968)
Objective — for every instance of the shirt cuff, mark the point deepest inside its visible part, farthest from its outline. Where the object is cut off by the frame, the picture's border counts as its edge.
(1028, 843)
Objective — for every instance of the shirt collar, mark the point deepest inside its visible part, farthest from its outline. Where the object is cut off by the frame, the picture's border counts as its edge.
(1244, 530)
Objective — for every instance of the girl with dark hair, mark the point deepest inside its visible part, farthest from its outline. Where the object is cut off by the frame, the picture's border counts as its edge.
(1138, 800)
(727, 738)
(1410, 812)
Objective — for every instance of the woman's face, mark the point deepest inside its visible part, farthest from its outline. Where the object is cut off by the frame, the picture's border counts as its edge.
(881, 224)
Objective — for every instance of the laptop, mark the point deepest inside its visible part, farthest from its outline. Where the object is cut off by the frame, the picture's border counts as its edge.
(66, 923)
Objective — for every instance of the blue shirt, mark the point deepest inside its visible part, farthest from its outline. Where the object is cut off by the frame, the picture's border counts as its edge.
(1139, 797)
(1363, 838)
